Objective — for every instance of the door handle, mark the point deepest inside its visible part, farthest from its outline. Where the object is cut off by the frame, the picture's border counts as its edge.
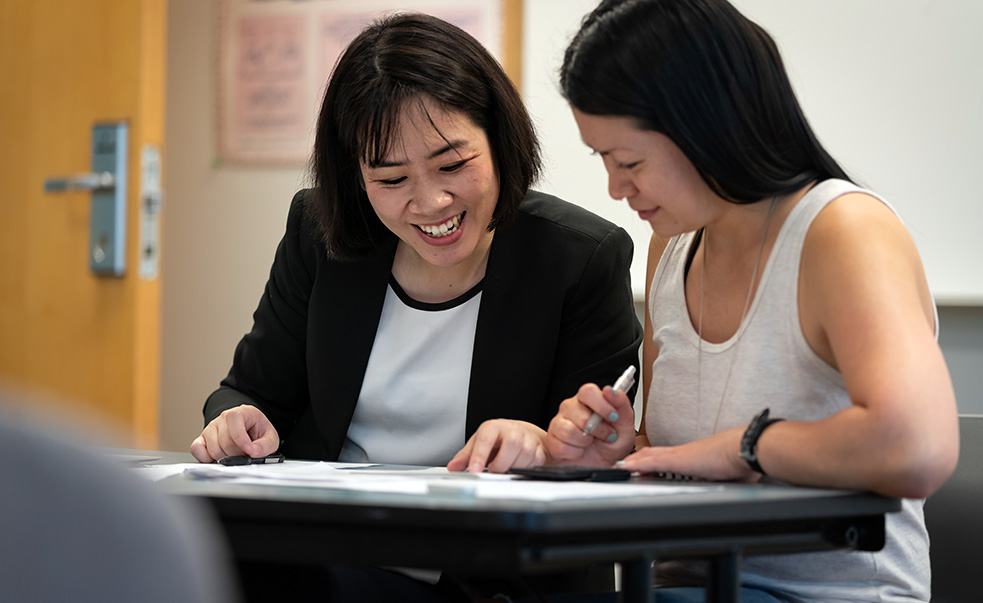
(107, 186)
(80, 182)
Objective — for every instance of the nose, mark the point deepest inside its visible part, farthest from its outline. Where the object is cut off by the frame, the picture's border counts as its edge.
(620, 186)
(430, 199)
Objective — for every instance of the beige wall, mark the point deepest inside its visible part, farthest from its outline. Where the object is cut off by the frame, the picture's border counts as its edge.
(220, 229)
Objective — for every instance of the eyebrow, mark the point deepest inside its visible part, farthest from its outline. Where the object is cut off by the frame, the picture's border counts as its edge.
(450, 146)
(606, 151)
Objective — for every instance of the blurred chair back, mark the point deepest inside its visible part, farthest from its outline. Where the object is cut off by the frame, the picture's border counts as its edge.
(954, 517)
(76, 525)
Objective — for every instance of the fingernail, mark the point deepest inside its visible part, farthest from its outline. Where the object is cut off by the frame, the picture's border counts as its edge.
(613, 416)
(613, 437)
(620, 464)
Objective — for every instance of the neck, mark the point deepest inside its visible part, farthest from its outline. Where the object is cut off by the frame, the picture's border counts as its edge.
(738, 229)
(429, 283)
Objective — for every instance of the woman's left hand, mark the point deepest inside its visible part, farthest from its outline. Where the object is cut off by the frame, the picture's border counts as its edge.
(714, 458)
(499, 445)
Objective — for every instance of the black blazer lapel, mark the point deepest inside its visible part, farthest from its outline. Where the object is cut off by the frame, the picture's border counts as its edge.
(345, 308)
(512, 362)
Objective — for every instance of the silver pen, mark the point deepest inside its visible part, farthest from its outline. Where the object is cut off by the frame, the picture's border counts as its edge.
(623, 384)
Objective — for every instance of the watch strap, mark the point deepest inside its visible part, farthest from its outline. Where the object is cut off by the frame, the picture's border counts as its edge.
(749, 442)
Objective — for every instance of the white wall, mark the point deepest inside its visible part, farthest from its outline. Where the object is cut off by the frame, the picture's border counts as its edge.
(570, 171)
(894, 89)
(892, 86)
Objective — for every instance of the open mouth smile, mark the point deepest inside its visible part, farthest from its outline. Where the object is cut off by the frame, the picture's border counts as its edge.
(442, 230)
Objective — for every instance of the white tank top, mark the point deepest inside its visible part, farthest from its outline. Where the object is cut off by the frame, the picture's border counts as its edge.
(771, 365)
(413, 405)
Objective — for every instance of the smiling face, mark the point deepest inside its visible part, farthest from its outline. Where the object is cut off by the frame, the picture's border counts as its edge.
(650, 172)
(436, 189)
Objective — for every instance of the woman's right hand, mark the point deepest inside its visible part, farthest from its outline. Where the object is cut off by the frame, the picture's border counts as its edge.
(609, 442)
(240, 430)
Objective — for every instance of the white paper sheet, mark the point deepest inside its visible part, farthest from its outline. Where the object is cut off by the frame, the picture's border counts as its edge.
(431, 481)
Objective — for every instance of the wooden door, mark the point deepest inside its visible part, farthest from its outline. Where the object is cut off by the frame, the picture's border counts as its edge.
(66, 333)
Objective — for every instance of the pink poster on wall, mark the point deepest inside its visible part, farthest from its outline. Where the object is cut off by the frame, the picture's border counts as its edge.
(275, 56)
(270, 75)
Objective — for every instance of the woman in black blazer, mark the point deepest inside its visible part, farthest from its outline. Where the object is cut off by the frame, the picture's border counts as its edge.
(422, 163)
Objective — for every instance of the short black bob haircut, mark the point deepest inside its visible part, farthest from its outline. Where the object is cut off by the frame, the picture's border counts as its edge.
(708, 78)
(394, 62)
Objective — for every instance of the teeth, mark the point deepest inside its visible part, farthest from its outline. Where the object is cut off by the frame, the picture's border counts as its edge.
(442, 230)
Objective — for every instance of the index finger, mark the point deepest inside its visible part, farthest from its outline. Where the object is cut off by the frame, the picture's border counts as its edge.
(483, 448)
(200, 451)
(596, 401)
(460, 460)
(236, 430)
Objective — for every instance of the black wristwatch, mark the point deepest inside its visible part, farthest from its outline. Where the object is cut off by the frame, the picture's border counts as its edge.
(749, 442)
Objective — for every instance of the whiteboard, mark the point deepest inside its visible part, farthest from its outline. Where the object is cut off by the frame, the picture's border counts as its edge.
(893, 89)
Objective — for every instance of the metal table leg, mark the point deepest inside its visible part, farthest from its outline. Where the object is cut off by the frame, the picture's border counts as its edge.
(636, 580)
(724, 578)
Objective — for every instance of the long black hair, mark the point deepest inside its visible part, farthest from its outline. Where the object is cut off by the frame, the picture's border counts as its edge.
(391, 66)
(707, 77)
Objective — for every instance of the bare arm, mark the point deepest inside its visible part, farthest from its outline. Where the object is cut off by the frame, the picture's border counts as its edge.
(865, 309)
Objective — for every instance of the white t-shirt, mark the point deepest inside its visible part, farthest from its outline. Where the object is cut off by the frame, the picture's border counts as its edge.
(413, 404)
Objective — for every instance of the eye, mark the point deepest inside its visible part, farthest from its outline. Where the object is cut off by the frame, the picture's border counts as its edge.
(392, 181)
(454, 166)
(628, 166)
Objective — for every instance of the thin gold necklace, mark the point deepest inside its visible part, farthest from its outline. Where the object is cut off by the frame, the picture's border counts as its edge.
(699, 328)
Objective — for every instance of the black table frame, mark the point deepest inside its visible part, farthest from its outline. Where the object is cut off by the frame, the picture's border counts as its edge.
(496, 538)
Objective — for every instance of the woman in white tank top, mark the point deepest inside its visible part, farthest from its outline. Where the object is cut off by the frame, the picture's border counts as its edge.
(774, 284)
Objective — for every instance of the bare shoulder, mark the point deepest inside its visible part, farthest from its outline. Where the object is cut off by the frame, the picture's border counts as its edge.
(852, 215)
(859, 263)
(858, 231)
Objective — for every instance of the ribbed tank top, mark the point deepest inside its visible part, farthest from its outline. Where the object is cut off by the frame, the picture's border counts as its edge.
(770, 364)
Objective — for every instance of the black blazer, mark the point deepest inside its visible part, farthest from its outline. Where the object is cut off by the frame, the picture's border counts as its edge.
(556, 312)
